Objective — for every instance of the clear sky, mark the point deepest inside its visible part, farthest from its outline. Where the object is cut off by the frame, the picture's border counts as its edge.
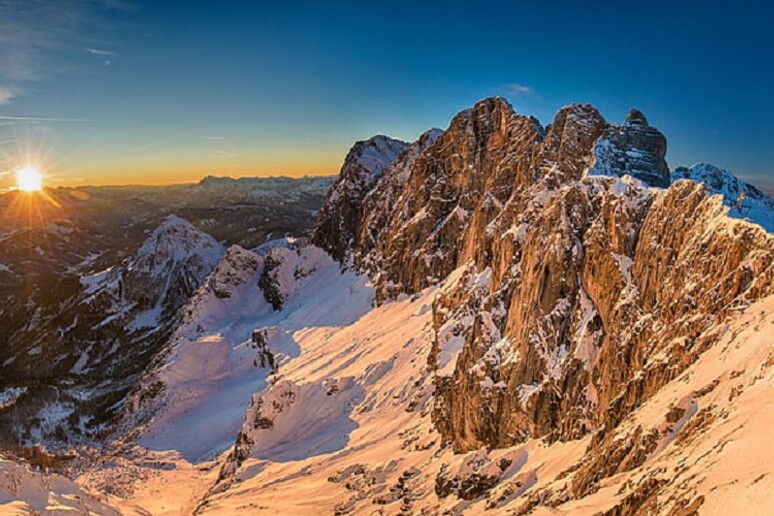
(133, 91)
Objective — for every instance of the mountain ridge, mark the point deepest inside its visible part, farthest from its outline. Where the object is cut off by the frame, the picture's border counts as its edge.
(499, 316)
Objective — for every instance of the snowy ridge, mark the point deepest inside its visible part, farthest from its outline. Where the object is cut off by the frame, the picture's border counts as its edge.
(25, 491)
(547, 326)
(157, 279)
(199, 394)
(758, 208)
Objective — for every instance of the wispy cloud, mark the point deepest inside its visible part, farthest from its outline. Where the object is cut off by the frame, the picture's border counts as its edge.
(106, 55)
(41, 119)
(216, 138)
(37, 36)
(6, 95)
(226, 154)
(100, 52)
(515, 89)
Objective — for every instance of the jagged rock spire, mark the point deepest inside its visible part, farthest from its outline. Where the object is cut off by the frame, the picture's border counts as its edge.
(338, 220)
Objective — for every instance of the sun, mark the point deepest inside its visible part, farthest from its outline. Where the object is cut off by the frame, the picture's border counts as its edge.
(29, 179)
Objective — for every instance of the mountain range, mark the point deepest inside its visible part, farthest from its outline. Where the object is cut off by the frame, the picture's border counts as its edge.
(500, 316)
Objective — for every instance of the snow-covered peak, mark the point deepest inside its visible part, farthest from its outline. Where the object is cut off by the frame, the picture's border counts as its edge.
(430, 136)
(175, 241)
(718, 180)
(160, 277)
(378, 153)
(633, 148)
(337, 220)
(755, 207)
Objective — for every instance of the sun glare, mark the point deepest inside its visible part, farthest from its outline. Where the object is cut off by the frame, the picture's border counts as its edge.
(29, 179)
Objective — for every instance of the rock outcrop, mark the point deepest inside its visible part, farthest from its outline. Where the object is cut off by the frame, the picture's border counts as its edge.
(633, 148)
(583, 289)
(338, 221)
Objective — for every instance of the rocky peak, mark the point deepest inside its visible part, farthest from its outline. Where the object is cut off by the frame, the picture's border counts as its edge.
(564, 153)
(430, 209)
(237, 267)
(718, 180)
(636, 117)
(634, 148)
(338, 220)
(555, 267)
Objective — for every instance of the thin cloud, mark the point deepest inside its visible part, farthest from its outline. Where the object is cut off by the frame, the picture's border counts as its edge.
(515, 89)
(6, 95)
(35, 35)
(106, 55)
(226, 154)
(12, 118)
(216, 138)
(100, 52)
(119, 5)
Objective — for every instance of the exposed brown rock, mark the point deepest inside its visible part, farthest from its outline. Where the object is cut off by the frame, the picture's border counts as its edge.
(579, 292)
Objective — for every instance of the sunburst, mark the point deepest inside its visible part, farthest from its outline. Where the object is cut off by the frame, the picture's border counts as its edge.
(29, 179)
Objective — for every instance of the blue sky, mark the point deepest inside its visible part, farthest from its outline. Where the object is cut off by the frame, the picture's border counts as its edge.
(117, 91)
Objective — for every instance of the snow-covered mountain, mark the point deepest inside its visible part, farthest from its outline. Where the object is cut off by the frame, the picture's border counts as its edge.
(757, 207)
(157, 280)
(90, 297)
(81, 362)
(337, 221)
(500, 316)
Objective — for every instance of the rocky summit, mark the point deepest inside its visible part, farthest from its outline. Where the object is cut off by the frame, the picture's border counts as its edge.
(500, 316)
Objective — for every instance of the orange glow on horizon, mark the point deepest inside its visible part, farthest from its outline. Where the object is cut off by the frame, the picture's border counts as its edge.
(182, 174)
(31, 208)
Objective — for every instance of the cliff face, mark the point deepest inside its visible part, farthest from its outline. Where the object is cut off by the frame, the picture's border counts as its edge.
(338, 220)
(584, 288)
(553, 322)
(634, 148)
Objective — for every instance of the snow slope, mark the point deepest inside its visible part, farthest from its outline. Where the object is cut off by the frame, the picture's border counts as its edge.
(392, 460)
(212, 370)
(347, 427)
(24, 491)
(757, 208)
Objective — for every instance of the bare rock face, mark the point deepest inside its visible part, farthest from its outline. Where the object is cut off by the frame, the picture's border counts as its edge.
(338, 220)
(443, 199)
(608, 292)
(634, 148)
(565, 153)
(581, 290)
